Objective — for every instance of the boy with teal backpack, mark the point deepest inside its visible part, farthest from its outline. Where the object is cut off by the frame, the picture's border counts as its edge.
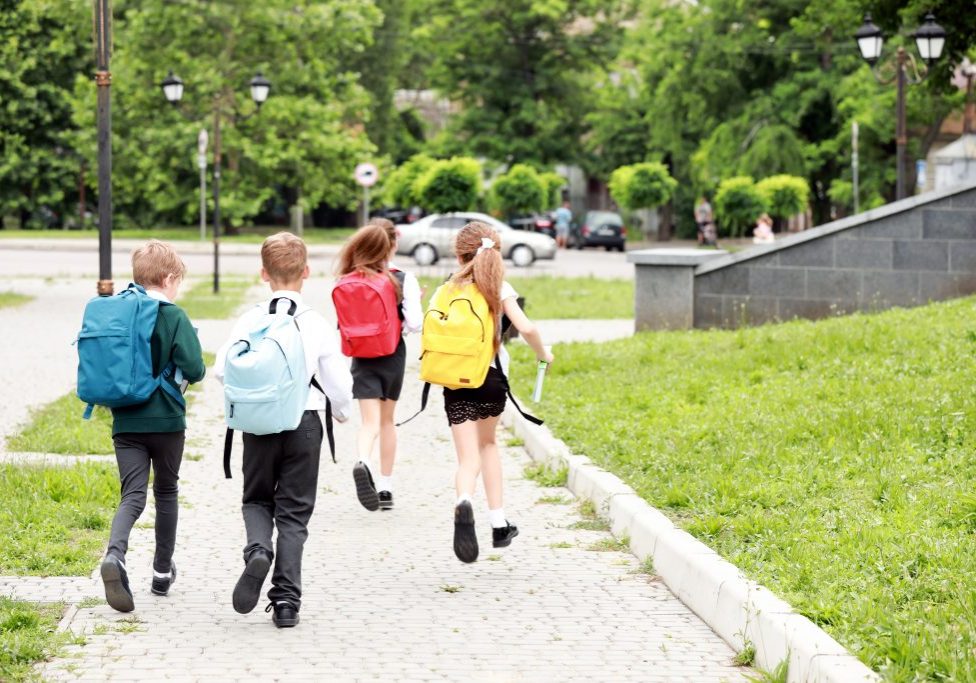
(135, 349)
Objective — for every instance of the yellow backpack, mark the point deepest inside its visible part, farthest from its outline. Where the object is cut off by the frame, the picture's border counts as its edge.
(458, 338)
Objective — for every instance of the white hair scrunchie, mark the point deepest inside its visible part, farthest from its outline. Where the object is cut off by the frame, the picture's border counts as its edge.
(486, 244)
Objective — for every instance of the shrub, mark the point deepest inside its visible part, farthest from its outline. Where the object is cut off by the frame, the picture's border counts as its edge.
(398, 189)
(738, 204)
(519, 191)
(450, 185)
(785, 195)
(642, 186)
(554, 184)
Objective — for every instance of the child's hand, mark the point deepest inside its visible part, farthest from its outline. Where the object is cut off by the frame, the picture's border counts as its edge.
(548, 358)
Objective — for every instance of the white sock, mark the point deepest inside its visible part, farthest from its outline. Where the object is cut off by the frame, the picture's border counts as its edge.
(384, 483)
(497, 518)
(463, 497)
(161, 575)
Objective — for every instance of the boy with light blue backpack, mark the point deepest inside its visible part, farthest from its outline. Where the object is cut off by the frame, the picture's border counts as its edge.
(280, 366)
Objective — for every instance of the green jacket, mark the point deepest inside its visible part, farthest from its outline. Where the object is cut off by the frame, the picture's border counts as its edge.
(173, 339)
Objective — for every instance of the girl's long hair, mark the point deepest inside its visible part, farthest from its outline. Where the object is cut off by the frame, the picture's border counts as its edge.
(367, 252)
(484, 269)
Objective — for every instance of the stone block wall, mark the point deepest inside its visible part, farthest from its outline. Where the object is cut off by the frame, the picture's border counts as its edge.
(907, 253)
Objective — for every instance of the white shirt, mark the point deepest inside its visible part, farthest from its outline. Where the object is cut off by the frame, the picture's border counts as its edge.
(322, 357)
(508, 292)
(413, 313)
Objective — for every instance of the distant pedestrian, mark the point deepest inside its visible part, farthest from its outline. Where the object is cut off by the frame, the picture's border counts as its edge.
(763, 232)
(564, 218)
(152, 434)
(705, 220)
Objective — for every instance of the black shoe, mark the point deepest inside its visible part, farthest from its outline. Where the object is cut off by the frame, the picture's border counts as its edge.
(465, 539)
(248, 588)
(160, 586)
(386, 500)
(365, 488)
(285, 614)
(117, 592)
(502, 536)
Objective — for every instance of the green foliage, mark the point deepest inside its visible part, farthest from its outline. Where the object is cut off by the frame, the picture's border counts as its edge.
(58, 427)
(55, 519)
(543, 475)
(738, 203)
(400, 187)
(554, 184)
(784, 195)
(450, 185)
(520, 190)
(831, 461)
(13, 299)
(646, 185)
(28, 634)
(200, 302)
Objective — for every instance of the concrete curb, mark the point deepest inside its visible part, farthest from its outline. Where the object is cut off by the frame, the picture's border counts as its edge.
(737, 609)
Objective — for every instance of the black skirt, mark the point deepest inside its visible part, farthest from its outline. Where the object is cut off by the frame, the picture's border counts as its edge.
(486, 401)
(380, 377)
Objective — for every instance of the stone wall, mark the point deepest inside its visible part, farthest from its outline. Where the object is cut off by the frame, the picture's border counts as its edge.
(906, 253)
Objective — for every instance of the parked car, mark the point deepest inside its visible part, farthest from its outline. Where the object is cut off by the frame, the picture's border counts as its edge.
(432, 238)
(599, 229)
(542, 222)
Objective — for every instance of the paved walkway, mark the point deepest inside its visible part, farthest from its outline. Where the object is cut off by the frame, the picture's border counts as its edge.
(384, 595)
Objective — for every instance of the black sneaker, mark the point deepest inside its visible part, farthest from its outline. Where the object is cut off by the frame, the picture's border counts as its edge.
(248, 588)
(502, 536)
(465, 539)
(285, 614)
(386, 500)
(160, 585)
(365, 488)
(117, 592)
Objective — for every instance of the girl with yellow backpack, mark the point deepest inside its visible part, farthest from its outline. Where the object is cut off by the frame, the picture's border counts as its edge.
(462, 351)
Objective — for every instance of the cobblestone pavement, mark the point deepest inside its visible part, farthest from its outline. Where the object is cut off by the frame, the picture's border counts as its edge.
(384, 596)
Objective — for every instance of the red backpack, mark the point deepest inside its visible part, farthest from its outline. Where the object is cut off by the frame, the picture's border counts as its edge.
(369, 316)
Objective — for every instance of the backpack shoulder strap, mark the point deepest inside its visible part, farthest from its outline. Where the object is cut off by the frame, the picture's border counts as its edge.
(508, 389)
(423, 404)
(329, 429)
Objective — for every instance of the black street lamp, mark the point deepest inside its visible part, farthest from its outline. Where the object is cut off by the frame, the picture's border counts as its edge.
(260, 86)
(929, 39)
(103, 81)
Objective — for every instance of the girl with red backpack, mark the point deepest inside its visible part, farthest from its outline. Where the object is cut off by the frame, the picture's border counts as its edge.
(375, 303)
(473, 413)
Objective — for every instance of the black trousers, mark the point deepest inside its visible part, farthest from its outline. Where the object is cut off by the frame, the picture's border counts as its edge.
(135, 453)
(281, 473)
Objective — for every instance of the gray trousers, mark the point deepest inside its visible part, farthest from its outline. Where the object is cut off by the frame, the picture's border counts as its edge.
(281, 473)
(134, 454)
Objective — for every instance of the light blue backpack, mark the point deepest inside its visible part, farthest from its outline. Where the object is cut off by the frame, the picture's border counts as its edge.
(114, 356)
(265, 385)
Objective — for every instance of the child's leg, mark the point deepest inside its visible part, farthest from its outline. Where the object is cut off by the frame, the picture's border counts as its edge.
(132, 456)
(260, 462)
(369, 409)
(294, 500)
(388, 437)
(469, 459)
(491, 464)
(166, 457)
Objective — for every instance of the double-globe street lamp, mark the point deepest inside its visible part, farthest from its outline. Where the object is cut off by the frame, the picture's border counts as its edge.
(929, 39)
(172, 87)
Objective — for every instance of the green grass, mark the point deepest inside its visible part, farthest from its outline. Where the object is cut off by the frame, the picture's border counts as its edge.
(54, 520)
(551, 298)
(543, 475)
(200, 302)
(58, 427)
(12, 299)
(251, 235)
(28, 634)
(832, 461)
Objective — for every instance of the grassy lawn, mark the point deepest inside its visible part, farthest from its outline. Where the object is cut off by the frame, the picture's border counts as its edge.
(54, 520)
(11, 299)
(832, 461)
(200, 303)
(58, 427)
(550, 298)
(27, 635)
(252, 235)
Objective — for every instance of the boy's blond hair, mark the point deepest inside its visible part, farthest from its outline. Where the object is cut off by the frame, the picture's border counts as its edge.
(284, 257)
(153, 261)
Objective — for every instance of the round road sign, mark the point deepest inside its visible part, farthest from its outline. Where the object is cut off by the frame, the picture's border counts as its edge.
(367, 174)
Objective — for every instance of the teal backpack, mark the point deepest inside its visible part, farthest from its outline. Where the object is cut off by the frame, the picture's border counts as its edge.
(114, 357)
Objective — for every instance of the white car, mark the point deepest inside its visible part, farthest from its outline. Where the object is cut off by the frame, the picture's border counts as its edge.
(432, 238)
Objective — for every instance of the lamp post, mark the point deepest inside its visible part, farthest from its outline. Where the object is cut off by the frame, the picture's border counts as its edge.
(103, 81)
(260, 86)
(929, 39)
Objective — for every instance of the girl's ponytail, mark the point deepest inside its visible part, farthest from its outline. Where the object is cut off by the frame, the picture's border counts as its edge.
(479, 248)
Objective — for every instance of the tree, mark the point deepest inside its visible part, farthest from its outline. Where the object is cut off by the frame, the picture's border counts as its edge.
(450, 185)
(738, 204)
(642, 186)
(521, 190)
(554, 188)
(784, 196)
(399, 188)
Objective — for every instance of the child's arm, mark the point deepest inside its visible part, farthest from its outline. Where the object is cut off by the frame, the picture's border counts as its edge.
(413, 313)
(528, 330)
(186, 353)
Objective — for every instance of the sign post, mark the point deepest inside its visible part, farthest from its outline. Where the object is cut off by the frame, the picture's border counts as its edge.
(854, 165)
(366, 175)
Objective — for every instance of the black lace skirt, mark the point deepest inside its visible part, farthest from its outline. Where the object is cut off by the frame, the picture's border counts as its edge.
(486, 401)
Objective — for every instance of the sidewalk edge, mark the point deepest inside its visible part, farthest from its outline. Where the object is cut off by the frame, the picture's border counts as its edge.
(738, 609)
